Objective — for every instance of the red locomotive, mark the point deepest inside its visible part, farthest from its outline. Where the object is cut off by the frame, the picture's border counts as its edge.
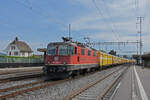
(69, 58)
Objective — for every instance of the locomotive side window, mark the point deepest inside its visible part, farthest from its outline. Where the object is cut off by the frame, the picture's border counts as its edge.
(70, 50)
(89, 53)
(82, 52)
(51, 50)
(62, 50)
(93, 53)
(75, 50)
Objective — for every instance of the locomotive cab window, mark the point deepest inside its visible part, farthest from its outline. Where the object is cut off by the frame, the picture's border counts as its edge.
(51, 50)
(82, 52)
(89, 53)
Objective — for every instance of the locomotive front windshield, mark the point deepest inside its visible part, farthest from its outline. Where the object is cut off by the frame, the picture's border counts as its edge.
(51, 50)
(62, 50)
(65, 50)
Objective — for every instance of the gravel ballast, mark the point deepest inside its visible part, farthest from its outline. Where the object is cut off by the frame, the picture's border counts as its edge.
(59, 91)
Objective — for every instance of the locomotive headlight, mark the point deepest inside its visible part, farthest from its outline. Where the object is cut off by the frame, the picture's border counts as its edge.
(56, 58)
(48, 62)
(64, 63)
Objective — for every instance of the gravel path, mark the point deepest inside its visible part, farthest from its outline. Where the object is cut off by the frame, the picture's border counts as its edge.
(59, 91)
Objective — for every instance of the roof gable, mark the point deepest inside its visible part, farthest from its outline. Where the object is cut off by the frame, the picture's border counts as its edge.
(22, 46)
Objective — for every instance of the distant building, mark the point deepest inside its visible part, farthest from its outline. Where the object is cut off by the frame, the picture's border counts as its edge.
(2, 54)
(18, 48)
(148, 53)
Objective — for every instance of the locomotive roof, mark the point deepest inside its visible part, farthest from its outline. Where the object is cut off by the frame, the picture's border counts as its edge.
(72, 43)
(80, 45)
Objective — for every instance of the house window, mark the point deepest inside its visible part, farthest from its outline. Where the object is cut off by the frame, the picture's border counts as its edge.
(13, 48)
(28, 54)
(89, 53)
(82, 51)
(23, 53)
(15, 53)
(10, 53)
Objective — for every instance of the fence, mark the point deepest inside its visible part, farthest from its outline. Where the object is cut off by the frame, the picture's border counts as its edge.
(20, 60)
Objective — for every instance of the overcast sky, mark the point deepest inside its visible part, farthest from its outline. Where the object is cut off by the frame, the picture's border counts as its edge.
(39, 22)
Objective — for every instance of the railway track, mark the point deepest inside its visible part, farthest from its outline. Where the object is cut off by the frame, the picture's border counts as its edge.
(12, 72)
(28, 87)
(19, 76)
(5, 71)
(99, 89)
(24, 88)
(20, 89)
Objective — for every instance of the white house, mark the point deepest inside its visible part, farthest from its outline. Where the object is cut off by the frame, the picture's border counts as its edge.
(18, 48)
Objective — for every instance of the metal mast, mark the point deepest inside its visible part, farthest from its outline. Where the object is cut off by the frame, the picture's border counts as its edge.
(69, 31)
(140, 19)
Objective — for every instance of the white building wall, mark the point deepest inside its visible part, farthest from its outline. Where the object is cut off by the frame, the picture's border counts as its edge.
(12, 51)
(29, 54)
(25, 54)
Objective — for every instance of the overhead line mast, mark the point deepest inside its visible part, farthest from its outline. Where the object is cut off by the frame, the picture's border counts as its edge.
(69, 31)
(140, 19)
(124, 43)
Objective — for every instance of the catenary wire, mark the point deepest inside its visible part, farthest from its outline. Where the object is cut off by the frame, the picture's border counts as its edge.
(41, 12)
(101, 14)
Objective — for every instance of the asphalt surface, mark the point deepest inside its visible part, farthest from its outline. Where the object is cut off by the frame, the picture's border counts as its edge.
(124, 91)
(144, 75)
(134, 87)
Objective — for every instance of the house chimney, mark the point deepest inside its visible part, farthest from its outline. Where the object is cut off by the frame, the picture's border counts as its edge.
(16, 38)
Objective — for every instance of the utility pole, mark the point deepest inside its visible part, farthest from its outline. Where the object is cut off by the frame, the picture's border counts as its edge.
(69, 38)
(137, 48)
(140, 19)
(137, 52)
(69, 31)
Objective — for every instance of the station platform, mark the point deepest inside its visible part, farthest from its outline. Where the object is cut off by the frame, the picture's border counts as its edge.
(22, 69)
(135, 85)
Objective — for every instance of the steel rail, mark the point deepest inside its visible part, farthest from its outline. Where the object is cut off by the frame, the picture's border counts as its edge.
(44, 85)
(19, 92)
(21, 77)
(20, 86)
(106, 90)
(11, 72)
(69, 97)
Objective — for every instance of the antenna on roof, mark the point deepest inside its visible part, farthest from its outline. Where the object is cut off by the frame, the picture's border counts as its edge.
(69, 38)
(66, 39)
